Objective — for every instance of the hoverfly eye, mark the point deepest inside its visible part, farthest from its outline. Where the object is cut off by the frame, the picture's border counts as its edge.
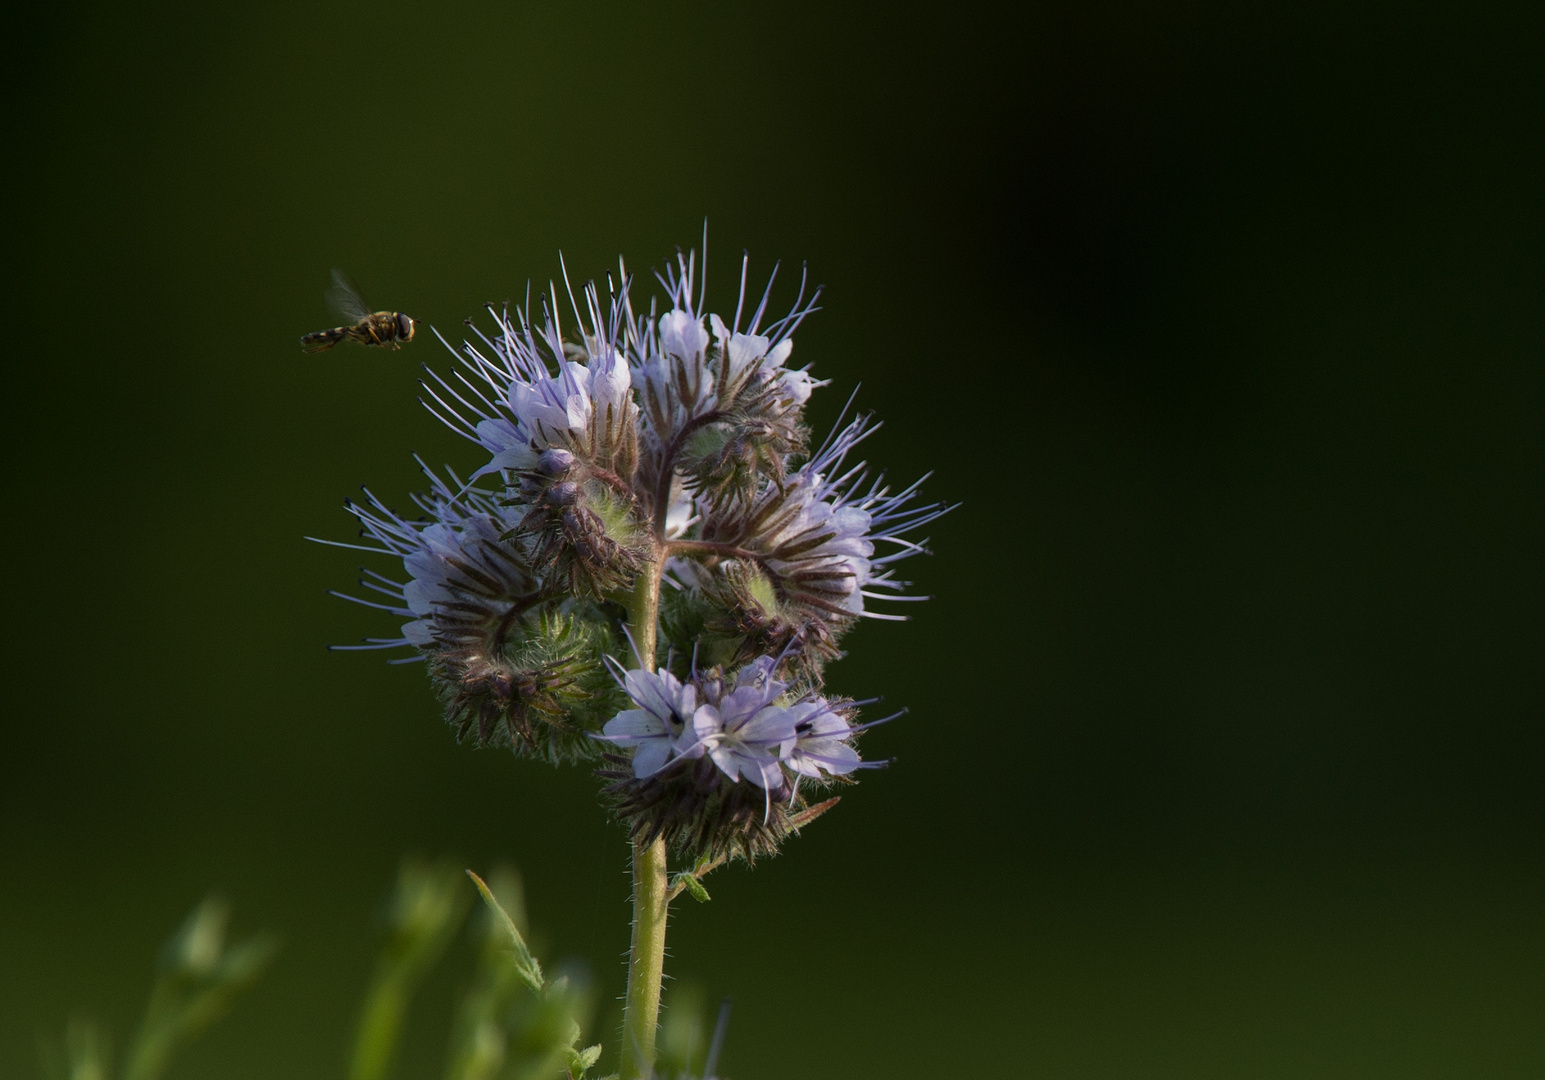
(404, 327)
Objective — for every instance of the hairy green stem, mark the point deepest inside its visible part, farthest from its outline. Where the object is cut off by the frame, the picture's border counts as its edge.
(646, 957)
(646, 960)
(644, 611)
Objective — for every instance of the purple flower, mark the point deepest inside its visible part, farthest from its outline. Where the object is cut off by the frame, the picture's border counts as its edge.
(682, 337)
(743, 730)
(820, 741)
(759, 355)
(739, 725)
(665, 705)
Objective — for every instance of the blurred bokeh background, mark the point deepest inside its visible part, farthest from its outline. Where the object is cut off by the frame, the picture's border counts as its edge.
(1224, 323)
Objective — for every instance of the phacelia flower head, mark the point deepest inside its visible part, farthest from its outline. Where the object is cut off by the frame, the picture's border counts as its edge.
(646, 476)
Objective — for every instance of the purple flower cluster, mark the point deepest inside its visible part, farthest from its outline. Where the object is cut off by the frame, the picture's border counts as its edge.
(628, 450)
(746, 724)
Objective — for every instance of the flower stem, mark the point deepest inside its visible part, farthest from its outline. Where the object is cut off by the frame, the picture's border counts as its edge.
(646, 956)
(646, 960)
(644, 611)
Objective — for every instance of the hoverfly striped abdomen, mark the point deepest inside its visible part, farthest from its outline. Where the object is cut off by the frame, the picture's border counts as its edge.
(383, 328)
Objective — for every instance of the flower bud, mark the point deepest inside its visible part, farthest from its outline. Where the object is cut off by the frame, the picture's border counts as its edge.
(555, 462)
(565, 493)
(536, 685)
(586, 537)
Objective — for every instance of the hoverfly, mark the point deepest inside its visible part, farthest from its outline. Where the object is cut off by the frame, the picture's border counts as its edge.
(384, 328)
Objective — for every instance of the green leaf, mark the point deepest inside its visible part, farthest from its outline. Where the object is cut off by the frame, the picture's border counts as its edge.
(695, 887)
(530, 970)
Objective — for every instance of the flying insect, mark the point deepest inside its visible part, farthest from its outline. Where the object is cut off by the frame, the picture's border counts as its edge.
(383, 328)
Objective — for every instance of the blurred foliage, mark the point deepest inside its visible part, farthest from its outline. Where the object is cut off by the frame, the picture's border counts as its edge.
(198, 979)
(512, 1023)
(424, 912)
(502, 1032)
(684, 1045)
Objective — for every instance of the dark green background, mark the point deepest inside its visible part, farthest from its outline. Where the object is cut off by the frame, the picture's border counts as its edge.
(1224, 755)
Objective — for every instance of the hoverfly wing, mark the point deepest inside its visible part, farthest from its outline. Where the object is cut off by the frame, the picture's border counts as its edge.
(343, 298)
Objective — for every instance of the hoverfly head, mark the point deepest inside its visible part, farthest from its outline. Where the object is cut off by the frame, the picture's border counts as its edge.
(404, 327)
